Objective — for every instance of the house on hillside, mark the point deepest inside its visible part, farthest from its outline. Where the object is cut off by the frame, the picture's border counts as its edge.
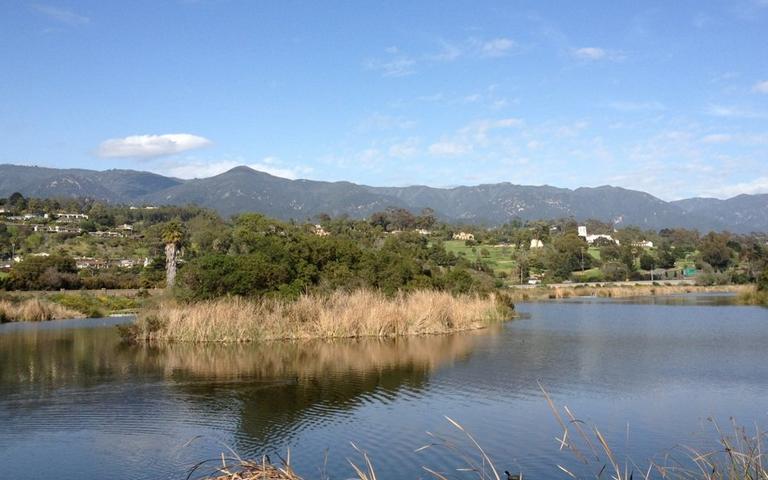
(463, 236)
(320, 231)
(643, 244)
(71, 217)
(536, 243)
(590, 239)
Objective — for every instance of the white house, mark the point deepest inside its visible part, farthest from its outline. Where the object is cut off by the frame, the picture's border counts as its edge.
(643, 244)
(463, 236)
(320, 231)
(592, 238)
(536, 243)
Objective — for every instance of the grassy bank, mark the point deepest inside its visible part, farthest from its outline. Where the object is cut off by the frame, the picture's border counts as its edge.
(753, 296)
(550, 293)
(34, 310)
(363, 313)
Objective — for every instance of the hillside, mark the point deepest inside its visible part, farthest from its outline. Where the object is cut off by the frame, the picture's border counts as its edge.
(243, 189)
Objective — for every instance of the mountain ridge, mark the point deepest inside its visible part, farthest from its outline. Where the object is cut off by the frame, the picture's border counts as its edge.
(244, 189)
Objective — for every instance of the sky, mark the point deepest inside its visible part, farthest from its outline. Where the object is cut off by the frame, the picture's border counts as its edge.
(666, 97)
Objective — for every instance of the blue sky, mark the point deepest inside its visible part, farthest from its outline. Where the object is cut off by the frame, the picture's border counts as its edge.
(666, 97)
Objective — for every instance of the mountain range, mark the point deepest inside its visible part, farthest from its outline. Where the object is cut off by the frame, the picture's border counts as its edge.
(243, 189)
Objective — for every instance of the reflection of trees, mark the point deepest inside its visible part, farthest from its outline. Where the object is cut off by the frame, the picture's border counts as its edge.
(48, 359)
(281, 385)
(272, 388)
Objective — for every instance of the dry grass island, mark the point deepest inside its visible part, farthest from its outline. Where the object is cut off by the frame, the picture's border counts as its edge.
(361, 313)
(34, 310)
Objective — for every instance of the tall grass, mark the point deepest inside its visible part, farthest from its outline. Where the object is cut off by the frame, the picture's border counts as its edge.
(34, 310)
(739, 455)
(362, 313)
(753, 296)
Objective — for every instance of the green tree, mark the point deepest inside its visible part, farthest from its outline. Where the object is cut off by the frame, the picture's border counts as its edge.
(715, 251)
(648, 261)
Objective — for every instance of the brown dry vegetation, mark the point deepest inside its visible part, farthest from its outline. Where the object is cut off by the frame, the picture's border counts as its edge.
(753, 296)
(289, 359)
(34, 310)
(363, 313)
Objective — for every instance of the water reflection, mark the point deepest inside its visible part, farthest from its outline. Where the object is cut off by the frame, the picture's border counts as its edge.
(79, 398)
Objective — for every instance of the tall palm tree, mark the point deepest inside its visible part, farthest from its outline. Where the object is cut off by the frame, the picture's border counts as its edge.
(173, 235)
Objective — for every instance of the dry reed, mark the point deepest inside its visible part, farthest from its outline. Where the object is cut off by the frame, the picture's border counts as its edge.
(740, 456)
(753, 296)
(362, 313)
(34, 310)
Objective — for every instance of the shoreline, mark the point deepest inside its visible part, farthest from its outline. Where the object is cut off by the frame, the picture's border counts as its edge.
(544, 293)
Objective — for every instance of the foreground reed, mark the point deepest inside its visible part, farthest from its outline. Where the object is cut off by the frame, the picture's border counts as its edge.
(34, 310)
(739, 456)
(362, 313)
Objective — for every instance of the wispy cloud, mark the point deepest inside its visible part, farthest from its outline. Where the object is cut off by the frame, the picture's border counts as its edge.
(474, 135)
(62, 15)
(406, 149)
(596, 54)
(149, 146)
(630, 106)
(448, 148)
(761, 87)
(396, 65)
(728, 111)
(758, 185)
(717, 138)
(498, 47)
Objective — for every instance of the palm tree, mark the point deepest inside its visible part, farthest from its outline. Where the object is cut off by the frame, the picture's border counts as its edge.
(173, 235)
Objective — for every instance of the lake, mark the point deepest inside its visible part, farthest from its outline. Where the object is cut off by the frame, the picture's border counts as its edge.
(75, 403)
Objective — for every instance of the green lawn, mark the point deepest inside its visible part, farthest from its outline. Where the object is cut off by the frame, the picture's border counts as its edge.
(595, 252)
(499, 258)
(3, 275)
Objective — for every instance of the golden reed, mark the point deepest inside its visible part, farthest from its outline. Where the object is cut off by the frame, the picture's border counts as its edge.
(362, 313)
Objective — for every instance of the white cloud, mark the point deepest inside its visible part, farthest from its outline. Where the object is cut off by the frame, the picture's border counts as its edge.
(407, 149)
(62, 15)
(761, 87)
(630, 106)
(148, 146)
(589, 53)
(595, 54)
(717, 138)
(497, 47)
(475, 134)
(396, 65)
(758, 185)
(732, 112)
(447, 148)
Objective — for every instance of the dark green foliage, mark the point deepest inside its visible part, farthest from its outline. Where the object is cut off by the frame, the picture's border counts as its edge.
(568, 254)
(44, 273)
(715, 251)
(762, 281)
(648, 261)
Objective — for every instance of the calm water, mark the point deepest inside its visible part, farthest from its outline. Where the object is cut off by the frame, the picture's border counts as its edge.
(74, 403)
